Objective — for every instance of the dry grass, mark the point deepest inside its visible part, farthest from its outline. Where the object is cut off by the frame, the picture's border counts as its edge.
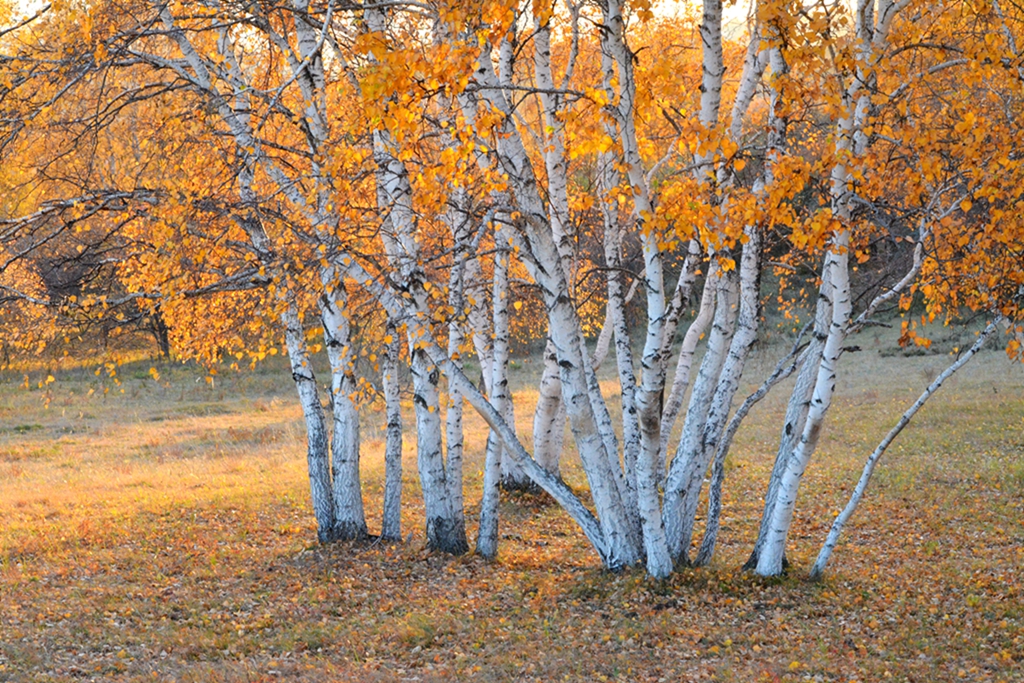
(164, 533)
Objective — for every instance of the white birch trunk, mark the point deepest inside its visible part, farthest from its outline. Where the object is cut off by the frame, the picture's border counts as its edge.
(549, 416)
(617, 313)
(869, 467)
(453, 416)
(604, 338)
(513, 478)
(487, 539)
(684, 363)
(237, 118)
(349, 517)
(796, 414)
(556, 167)
(608, 181)
(391, 527)
(686, 472)
(317, 459)
(837, 262)
(479, 320)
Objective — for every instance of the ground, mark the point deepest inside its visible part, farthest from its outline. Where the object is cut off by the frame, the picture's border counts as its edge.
(162, 531)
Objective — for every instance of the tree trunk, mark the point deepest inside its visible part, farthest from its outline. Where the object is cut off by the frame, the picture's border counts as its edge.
(317, 458)
(770, 560)
(869, 467)
(549, 416)
(453, 416)
(349, 517)
(690, 462)
(391, 527)
(487, 539)
(684, 363)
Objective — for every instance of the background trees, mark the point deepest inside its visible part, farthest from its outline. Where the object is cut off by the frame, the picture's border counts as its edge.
(241, 174)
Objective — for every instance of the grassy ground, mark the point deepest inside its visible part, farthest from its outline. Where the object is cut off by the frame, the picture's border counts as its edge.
(163, 532)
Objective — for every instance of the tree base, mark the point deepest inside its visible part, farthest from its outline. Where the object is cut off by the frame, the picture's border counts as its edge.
(447, 536)
(349, 531)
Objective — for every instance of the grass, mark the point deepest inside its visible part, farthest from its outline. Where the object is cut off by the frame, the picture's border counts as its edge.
(164, 533)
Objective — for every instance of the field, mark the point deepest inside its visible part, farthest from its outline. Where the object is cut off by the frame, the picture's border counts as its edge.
(162, 531)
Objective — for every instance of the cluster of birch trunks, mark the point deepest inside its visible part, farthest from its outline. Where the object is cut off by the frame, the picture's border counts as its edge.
(645, 488)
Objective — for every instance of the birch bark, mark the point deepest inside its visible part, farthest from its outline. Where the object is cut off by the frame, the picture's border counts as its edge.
(487, 539)
(349, 519)
(549, 416)
(391, 527)
(317, 459)
(685, 473)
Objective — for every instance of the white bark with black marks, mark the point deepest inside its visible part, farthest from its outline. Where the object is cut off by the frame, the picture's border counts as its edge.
(391, 527)
(549, 416)
(487, 538)
(349, 516)
(684, 362)
(686, 472)
(317, 458)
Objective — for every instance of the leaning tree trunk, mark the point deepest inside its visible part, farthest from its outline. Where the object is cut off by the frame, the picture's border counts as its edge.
(622, 542)
(785, 367)
(770, 559)
(689, 464)
(869, 467)
(684, 362)
(796, 415)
